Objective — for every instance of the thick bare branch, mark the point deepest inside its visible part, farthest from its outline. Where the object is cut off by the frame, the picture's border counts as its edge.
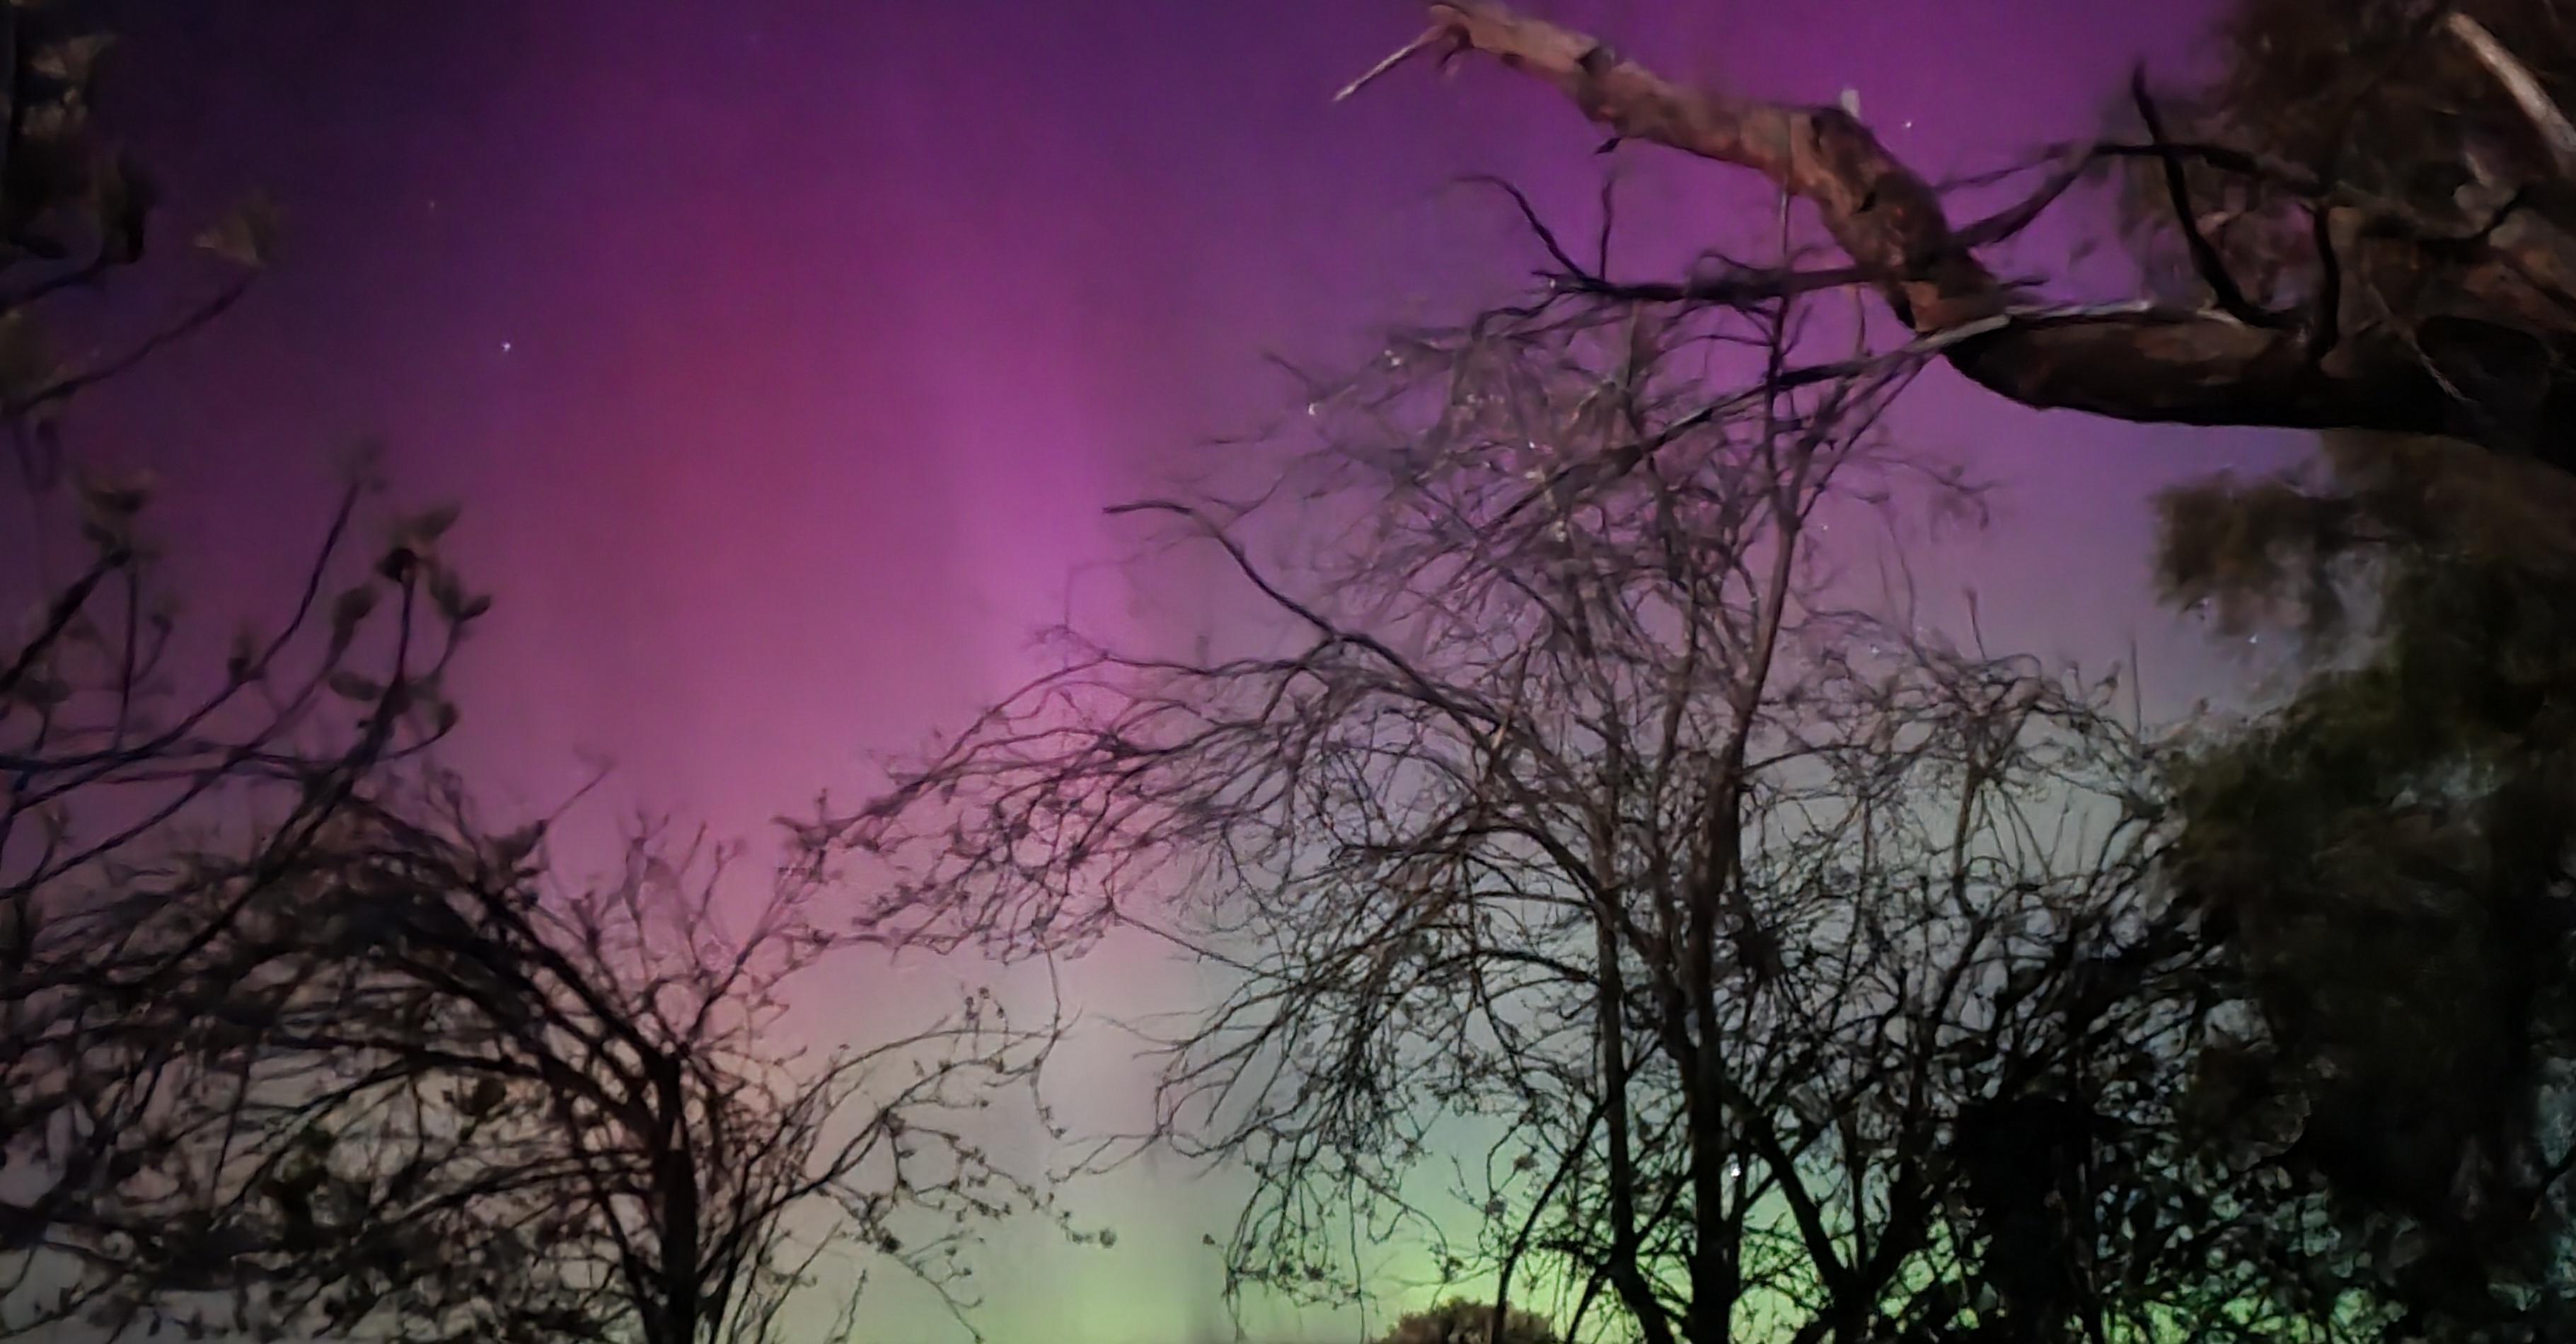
(2159, 365)
(2556, 134)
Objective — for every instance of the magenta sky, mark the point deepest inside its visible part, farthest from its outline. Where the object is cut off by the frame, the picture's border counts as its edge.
(783, 351)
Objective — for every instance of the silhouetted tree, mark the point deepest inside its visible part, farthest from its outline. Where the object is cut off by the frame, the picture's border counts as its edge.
(2384, 853)
(289, 1042)
(2359, 222)
(415, 1094)
(113, 759)
(2387, 849)
(1793, 971)
(149, 808)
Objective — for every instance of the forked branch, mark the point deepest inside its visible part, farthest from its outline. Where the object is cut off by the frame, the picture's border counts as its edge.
(2147, 364)
(2523, 87)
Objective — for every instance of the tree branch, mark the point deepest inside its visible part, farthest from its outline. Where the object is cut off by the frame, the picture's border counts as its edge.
(2523, 87)
(2204, 255)
(2169, 366)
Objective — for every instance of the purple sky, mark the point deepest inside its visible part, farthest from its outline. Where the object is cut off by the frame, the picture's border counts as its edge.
(784, 352)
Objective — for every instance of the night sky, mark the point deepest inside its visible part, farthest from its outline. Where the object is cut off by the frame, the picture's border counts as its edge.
(783, 354)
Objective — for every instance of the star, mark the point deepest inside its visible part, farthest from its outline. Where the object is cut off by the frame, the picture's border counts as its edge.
(505, 347)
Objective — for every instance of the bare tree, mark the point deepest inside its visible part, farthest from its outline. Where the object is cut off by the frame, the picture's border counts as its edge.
(411, 1093)
(1789, 967)
(2359, 220)
(2324, 292)
(113, 758)
(289, 1042)
(138, 802)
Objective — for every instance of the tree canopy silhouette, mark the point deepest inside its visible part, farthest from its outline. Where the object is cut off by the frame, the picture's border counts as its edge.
(1783, 967)
(2359, 224)
(1575, 828)
(291, 1041)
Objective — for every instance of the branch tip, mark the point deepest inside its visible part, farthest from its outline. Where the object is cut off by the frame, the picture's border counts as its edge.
(1408, 51)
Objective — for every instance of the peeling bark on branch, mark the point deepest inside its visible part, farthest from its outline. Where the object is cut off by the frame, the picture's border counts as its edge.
(2524, 87)
(2170, 366)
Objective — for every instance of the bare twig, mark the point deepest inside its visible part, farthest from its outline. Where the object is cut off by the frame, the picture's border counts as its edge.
(1430, 37)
